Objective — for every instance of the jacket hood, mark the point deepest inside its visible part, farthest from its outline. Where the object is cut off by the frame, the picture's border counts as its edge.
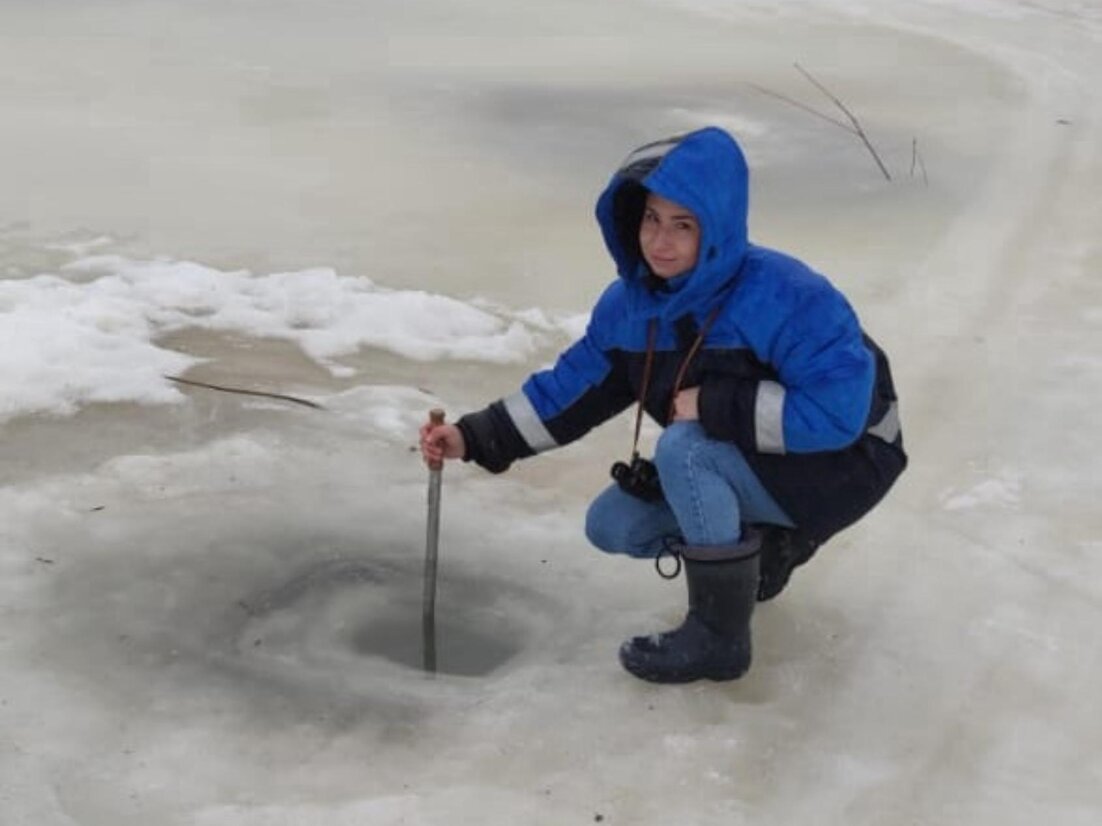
(704, 171)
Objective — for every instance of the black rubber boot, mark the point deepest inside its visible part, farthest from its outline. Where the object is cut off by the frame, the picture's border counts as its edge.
(714, 640)
(782, 551)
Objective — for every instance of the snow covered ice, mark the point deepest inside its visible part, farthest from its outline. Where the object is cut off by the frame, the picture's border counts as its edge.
(209, 603)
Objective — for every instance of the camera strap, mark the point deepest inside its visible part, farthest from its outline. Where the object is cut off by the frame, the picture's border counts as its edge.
(689, 357)
(648, 364)
(652, 334)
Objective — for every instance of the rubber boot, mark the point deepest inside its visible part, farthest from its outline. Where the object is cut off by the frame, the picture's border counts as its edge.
(714, 640)
(782, 551)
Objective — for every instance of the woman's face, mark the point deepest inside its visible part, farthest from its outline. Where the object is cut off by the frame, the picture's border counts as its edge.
(669, 237)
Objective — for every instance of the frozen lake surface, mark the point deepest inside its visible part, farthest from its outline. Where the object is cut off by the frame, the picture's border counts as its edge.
(210, 602)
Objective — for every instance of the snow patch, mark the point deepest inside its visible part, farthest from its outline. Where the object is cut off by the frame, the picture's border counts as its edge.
(90, 334)
(1003, 492)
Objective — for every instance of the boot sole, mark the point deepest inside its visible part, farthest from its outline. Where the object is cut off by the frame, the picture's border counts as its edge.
(716, 675)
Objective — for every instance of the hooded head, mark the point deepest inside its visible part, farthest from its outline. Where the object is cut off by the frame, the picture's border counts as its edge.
(703, 171)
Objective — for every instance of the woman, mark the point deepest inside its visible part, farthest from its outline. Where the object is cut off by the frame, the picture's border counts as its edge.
(779, 412)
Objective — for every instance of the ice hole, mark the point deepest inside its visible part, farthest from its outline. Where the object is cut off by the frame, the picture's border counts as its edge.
(462, 648)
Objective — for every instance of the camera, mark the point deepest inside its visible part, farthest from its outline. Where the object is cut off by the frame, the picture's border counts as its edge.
(640, 478)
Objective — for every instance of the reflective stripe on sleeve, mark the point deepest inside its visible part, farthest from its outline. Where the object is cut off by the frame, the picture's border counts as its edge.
(528, 422)
(888, 427)
(769, 417)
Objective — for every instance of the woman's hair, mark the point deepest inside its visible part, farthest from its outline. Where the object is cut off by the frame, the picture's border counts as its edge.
(628, 205)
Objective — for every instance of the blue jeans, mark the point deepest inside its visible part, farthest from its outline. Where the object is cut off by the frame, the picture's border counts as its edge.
(710, 491)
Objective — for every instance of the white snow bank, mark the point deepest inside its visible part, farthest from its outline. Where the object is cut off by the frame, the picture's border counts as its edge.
(90, 334)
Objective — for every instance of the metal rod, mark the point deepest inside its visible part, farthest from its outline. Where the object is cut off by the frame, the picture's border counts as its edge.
(428, 604)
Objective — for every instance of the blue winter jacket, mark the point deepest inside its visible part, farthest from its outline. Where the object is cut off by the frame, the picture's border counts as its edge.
(785, 370)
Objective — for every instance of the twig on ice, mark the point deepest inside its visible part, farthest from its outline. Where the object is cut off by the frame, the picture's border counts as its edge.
(917, 158)
(857, 130)
(853, 126)
(224, 389)
(805, 107)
